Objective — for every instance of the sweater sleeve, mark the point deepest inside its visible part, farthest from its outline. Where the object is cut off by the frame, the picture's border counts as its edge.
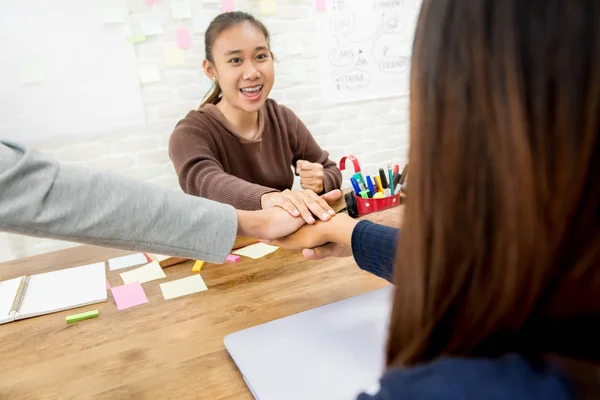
(374, 248)
(195, 157)
(41, 197)
(308, 149)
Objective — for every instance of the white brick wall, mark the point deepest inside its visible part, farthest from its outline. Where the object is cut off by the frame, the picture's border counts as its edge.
(375, 131)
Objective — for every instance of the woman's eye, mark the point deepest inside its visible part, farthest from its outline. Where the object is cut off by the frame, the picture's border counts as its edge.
(235, 60)
(262, 56)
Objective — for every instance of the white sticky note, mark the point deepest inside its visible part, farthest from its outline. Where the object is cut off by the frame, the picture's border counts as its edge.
(180, 9)
(149, 73)
(127, 261)
(151, 26)
(113, 15)
(33, 72)
(183, 287)
(200, 23)
(256, 250)
(147, 273)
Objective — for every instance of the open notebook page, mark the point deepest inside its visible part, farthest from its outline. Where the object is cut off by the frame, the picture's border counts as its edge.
(65, 289)
(8, 290)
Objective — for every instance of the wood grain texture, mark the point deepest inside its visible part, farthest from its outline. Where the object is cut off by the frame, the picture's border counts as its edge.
(165, 349)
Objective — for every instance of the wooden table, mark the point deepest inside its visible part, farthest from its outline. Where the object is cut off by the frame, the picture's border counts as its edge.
(165, 349)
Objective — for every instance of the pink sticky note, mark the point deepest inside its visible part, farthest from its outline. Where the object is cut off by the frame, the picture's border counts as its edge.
(321, 5)
(152, 1)
(226, 5)
(232, 258)
(107, 284)
(184, 40)
(129, 295)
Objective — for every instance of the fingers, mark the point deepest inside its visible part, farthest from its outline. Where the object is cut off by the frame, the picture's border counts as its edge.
(318, 252)
(317, 205)
(299, 164)
(300, 205)
(283, 202)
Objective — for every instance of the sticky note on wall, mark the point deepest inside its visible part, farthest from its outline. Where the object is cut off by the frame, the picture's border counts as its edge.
(268, 7)
(226, 5)
(113, 16)
(151, 26)
(33, 72)
(184, 39)
(320, 5)
(149, 73)
(174, 57)
(180, 9)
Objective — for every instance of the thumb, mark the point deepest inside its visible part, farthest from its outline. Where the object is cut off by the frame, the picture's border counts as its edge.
(299, 165)
(332, 196)
(319, 252)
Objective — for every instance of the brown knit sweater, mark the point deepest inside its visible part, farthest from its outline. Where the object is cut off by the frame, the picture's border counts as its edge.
(215, 162)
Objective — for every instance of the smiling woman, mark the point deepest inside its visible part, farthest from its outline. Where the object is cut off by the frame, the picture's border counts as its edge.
(239, 147)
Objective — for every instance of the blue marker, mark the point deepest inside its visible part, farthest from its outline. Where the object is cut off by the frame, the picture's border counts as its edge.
(355, 186)
(370, 184)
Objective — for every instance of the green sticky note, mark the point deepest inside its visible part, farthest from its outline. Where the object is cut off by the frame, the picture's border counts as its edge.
(136, 38)
(82, 316)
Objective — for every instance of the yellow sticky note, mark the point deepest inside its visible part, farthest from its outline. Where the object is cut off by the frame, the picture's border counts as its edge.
(33, 72)
(147, 273)
(136, 38)
(268, 7)
(198, 266)
(182, 287)
(256, 250)
(174, 57)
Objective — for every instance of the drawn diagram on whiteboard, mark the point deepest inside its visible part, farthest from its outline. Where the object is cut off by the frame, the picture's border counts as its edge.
(365, 48)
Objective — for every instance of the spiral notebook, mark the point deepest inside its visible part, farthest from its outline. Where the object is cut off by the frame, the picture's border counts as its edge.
(33, 295)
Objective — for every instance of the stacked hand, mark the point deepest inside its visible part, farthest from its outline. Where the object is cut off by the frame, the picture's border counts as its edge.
(302, 203)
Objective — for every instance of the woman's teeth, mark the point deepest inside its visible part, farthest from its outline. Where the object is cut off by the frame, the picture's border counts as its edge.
(251, 90)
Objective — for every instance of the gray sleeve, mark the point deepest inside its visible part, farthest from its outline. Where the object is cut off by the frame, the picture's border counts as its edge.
(41, 197)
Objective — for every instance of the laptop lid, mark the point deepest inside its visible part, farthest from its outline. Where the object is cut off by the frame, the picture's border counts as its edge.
(330, 352)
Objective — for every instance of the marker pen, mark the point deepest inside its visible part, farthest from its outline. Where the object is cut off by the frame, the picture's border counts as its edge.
(370, 185)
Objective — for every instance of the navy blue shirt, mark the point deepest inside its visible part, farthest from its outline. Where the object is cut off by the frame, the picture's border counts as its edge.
(511, 377)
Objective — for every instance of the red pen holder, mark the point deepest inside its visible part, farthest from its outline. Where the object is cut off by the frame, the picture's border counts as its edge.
(367, 206)
(358, 206)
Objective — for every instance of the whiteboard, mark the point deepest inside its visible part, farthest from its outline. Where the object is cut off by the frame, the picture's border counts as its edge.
(64, 71)
(365, 48)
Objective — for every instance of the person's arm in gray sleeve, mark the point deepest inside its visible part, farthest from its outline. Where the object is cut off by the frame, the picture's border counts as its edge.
(41, 197)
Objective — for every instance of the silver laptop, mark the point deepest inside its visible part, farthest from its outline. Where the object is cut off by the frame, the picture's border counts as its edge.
(330, 352)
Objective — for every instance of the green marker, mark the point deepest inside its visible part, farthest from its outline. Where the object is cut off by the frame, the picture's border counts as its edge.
(82, 316)
(364, 194)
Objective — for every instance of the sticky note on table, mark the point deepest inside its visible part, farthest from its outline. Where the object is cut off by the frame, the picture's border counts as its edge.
(147, 273)
(174, 57)
(81, 316)
(184, 39)
(256, 250)
(321, 5)
(232, 258)
(151, 26)
(268, 7)
(148, 73)
(129, 295)
(180, 9)
(183, 287)
(33, 72)
(127, 261)
(226, 5)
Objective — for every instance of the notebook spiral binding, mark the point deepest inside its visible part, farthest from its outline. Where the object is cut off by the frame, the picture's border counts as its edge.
(20, 295)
